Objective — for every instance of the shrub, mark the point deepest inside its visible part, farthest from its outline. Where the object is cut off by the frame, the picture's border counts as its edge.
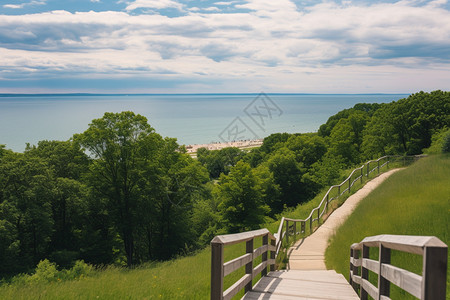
(446, 145)
(79, 269)
(45, 272)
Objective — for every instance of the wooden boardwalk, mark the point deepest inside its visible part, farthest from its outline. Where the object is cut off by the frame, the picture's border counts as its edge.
(307, 277)
(299, 285)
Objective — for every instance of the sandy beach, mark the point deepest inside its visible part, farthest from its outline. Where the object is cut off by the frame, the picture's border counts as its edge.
(217, 146)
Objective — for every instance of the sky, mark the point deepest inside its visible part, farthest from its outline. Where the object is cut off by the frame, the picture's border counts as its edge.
(214, 46)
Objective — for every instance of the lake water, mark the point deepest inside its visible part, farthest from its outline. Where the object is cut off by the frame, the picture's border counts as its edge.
(192, 119)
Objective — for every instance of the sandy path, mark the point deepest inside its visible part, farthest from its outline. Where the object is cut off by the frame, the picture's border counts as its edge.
(309, 253)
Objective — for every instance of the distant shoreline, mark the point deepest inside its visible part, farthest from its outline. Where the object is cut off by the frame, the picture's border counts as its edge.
(191, 149)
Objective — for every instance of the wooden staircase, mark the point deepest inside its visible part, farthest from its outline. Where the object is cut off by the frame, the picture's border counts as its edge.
(299, 285)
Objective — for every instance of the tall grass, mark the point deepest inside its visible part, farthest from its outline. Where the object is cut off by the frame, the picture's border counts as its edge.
(183, 278)
(413, 201)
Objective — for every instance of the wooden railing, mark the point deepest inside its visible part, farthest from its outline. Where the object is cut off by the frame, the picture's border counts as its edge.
(219, 269)
(288, 228)
(430, 286)
(293, 227)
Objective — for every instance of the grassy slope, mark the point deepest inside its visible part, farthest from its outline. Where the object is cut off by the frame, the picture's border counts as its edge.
(413, 201)
(183, 278)
(189, 277)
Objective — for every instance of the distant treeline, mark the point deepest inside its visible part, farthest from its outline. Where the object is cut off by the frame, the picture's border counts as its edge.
(119, 193)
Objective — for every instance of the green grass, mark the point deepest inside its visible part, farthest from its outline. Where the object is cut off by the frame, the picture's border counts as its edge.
(302, 211)
(413, 201)
(183, 278)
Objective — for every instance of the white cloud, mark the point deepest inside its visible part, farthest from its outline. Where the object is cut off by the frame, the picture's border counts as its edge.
(154, 4)
(273, 45)
(22, 5)
(226, 2)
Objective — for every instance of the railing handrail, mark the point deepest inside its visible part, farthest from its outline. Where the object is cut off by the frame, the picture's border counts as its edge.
(235, 238)
(326, 197)
(432, 283)
(220, 269)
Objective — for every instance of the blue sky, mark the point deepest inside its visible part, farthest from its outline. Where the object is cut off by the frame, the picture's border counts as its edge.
(214, 46)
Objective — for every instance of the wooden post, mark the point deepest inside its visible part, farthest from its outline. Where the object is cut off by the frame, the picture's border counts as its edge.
(378, 167)
(318, 216)
(362, 175)
(349, 184)
(216, 271)
(272, 254)
(364, 273)
(368, 169)
(339, 190)
(287, 233)
(434, 273)
(384, 257)
(295, 231)
(355, 269)
(310, 225)
(326, 207)
(249, 266)
(265, 241)
(350, 280)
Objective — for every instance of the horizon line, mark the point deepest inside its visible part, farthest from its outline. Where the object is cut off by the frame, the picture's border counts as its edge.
(178, 94)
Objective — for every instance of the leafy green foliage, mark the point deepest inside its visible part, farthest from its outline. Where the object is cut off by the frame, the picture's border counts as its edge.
(242, 208)
(120, 193)
(219, 161)
(406, 126)
(446, 144)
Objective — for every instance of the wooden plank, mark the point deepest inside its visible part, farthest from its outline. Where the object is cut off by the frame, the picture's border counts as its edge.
(356, 261)
(369, 288)
(406, 243)
(329, 286)
(384, 285)
(371, 265)
(216, 271)
(259, 268)
(384, 297)
(434, 273)
(236, 263)
(249, 265)
(404, 279)
(265, 241)
(266, 296)
(258, 251)
(237, 286)
(230, 239)
(357, 279)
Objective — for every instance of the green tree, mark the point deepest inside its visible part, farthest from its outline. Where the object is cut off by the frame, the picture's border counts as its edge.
(242, 207)
(219, 161)
(287, 174)
(120, 143)
(307, 148)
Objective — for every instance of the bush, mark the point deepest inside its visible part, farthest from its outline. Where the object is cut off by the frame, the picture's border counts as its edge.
(446, 146)
(79, 270)
(439, 140)
(46, 271)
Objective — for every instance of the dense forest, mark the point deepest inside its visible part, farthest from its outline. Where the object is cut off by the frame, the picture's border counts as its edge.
(120, 193)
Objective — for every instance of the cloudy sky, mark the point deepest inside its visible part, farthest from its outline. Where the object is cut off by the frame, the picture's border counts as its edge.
(214, 46)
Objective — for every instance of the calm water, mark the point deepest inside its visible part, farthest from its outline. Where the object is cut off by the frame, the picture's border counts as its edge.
(192, 119)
